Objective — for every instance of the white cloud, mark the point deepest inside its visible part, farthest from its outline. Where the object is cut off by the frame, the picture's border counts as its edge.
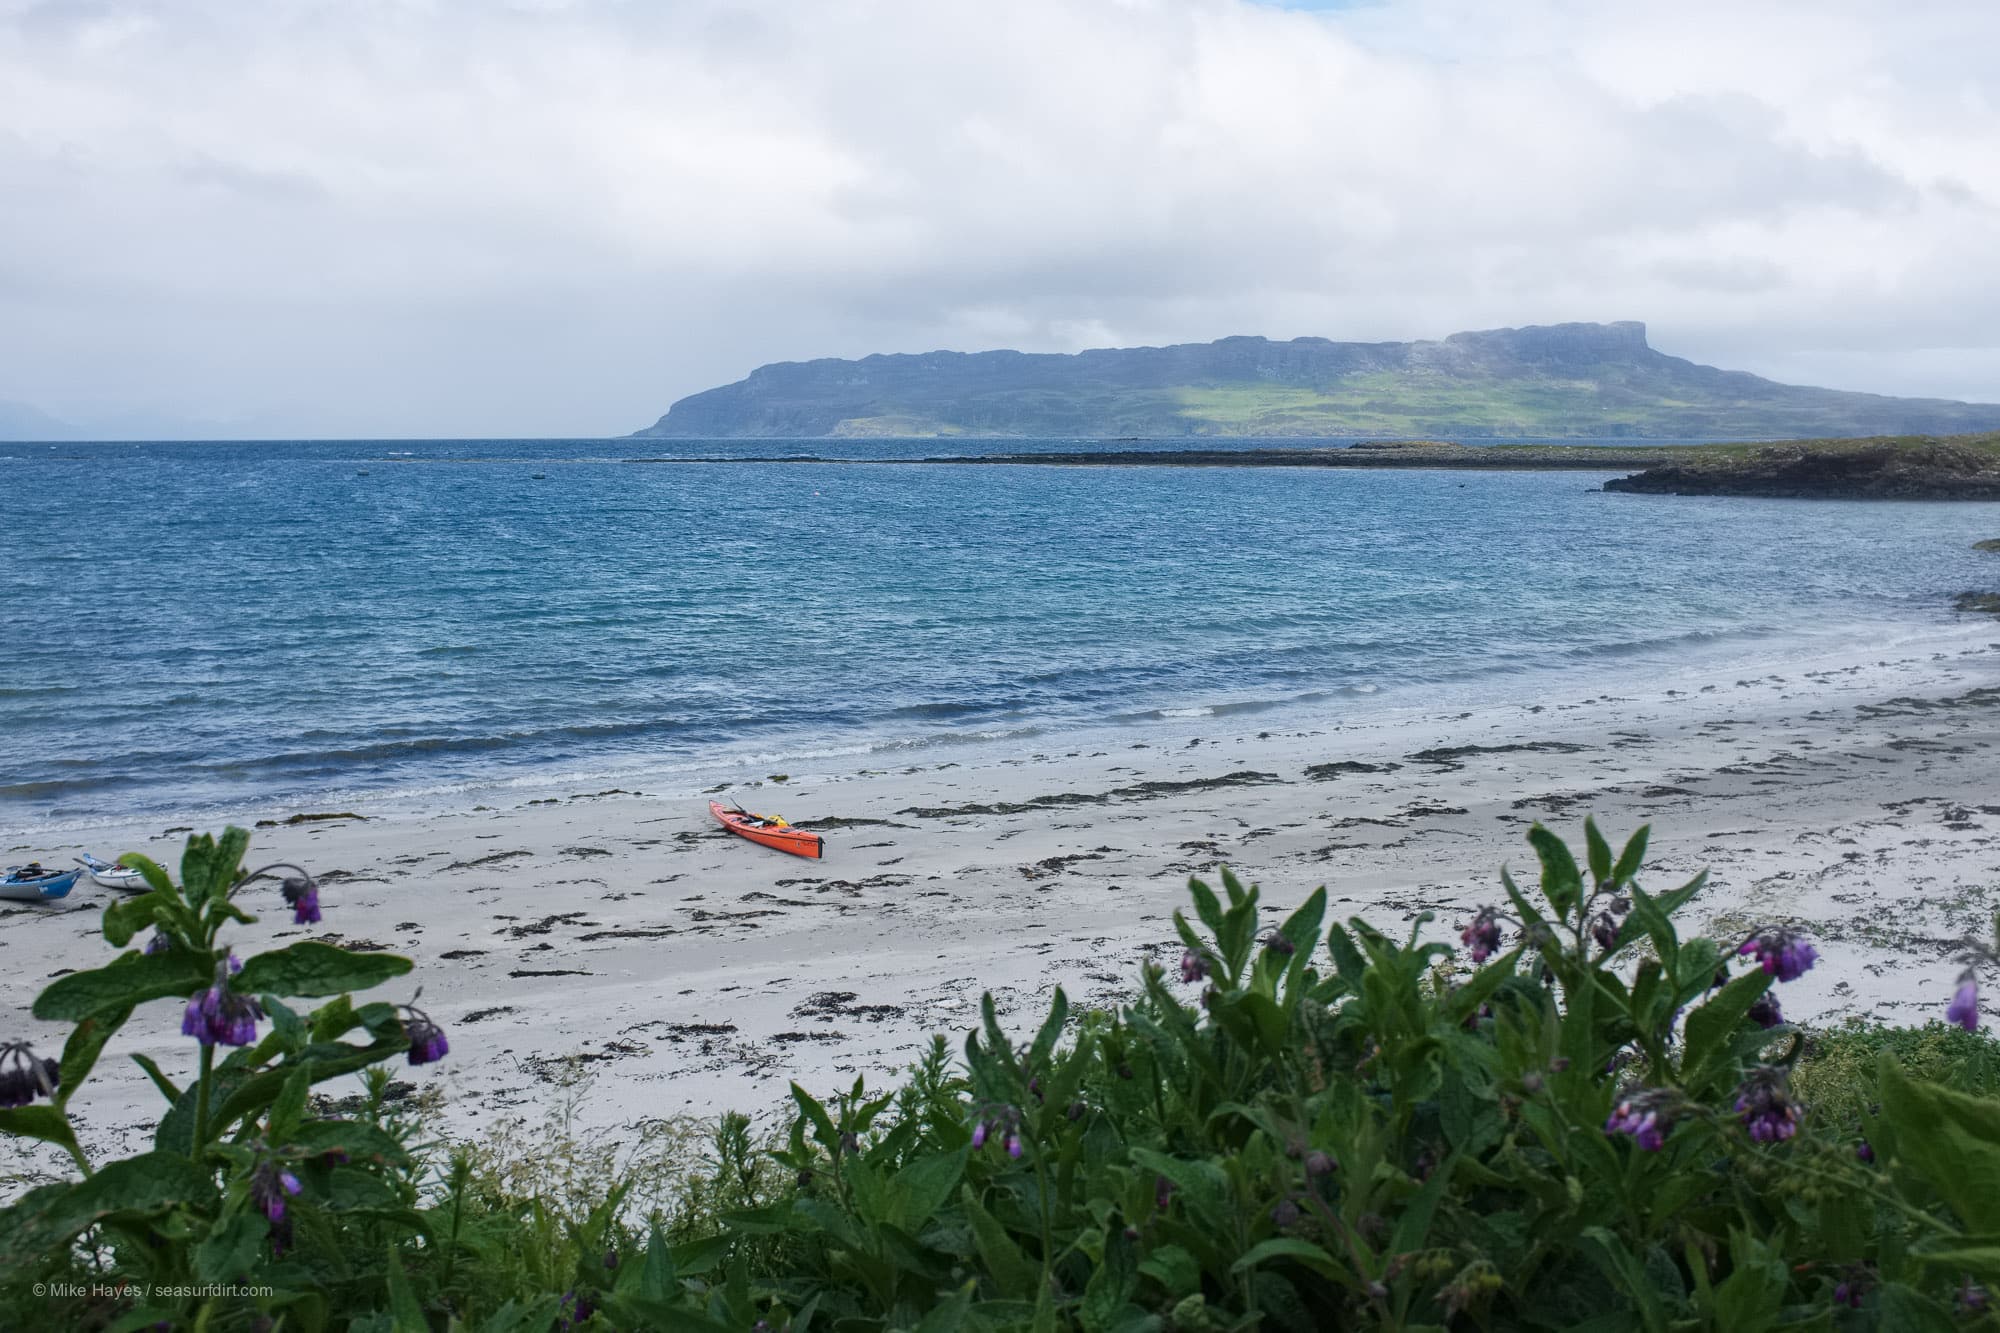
(441, 216)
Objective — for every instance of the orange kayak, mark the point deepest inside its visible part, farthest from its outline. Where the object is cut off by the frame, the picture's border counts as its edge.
(768, 830)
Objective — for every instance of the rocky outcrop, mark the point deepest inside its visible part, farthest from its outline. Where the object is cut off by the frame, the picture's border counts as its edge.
(1883, 469)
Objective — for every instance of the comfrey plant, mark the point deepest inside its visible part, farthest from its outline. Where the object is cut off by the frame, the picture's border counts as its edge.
(1576, 1119)
(239, 1163)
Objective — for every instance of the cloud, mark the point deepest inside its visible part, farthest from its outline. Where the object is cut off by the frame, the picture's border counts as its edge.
(442, 216)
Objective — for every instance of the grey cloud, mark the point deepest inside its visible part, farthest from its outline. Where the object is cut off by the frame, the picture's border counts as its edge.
(462, 218)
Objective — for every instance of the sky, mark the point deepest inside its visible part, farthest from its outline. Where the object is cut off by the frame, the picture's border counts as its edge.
(405, 218)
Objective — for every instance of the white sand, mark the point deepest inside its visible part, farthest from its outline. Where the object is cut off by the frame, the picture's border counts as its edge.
(1853, 795)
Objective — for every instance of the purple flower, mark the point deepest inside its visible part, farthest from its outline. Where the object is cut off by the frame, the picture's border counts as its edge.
(1770, 1114)
(574, 1310)
(1964, 1007)
(1604, 929)
(1784, 954)
(1163, 1192)
(25, 1076)
(1278, 944)
(1482, 936)
(1318, 1164)
(160, 943)
(1286, 1215)
(1645, 1115)
(427, 1043)
(1001, 1120)
(1864, 1151)
(1971, 1297)
(1193, 965)
(219, 1016)
(271, 1184)
(1848, 1294)
(302, 895)
(1765, 1012)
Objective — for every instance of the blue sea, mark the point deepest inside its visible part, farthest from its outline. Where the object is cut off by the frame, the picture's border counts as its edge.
(198, 627)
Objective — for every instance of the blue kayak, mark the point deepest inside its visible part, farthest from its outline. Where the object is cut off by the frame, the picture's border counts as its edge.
(33, 884)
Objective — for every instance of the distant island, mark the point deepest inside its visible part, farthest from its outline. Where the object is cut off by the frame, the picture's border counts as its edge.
(1573, 381)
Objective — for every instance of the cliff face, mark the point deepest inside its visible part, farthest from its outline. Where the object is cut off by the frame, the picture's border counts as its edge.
(1587, 380)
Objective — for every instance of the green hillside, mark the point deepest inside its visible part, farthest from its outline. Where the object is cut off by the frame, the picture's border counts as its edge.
(1565, 380)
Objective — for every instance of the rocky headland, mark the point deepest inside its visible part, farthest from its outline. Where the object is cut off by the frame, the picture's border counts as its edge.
(1924, 467)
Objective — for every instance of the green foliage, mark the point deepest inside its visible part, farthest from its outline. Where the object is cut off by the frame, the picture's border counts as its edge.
(1343, 1129)
(1837, 1073)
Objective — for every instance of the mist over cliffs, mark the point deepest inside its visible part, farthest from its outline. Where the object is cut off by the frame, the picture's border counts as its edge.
(1560, 380)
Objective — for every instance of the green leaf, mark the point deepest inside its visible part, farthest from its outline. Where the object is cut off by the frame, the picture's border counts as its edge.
(948, 1315)
(1710, 1028)
(1752, 1298)
(1950, 1139)
(1628, 1275)
(1666, 943)
(1562, 882)
(233, 1249)
(1347, 959)
(700, 1256)
(1012, 1274)
(85, 1044)
(403, 1306)
(1298, 1251)
(319, 1062)
(290, 1106)
(823, 1131)
(1111, 1285)
(131, 981)
(1598, 850)
(1174, 1269)
(125, 917)
(1413, 1227)
(921, 1188)
(1906, 1310)
(47, 1123)
(1634, 853)
(1301, 928)
(530, 1318)
(156, 876)
(1206, 907)
(310, 968)
(159, 1077)
(1050, 1033)
(658, 1280)
(48, 1218)
(196, 860)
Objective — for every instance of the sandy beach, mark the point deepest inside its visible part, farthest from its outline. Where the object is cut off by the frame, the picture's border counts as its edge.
(621, 936)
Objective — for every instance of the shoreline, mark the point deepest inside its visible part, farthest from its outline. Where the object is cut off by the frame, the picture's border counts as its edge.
(624, 938)
(998, 740)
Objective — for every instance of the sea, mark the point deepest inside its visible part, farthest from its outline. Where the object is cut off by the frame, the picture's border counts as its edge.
(210, 627)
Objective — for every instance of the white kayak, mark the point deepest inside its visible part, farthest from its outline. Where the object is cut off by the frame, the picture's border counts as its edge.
(112, 875)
